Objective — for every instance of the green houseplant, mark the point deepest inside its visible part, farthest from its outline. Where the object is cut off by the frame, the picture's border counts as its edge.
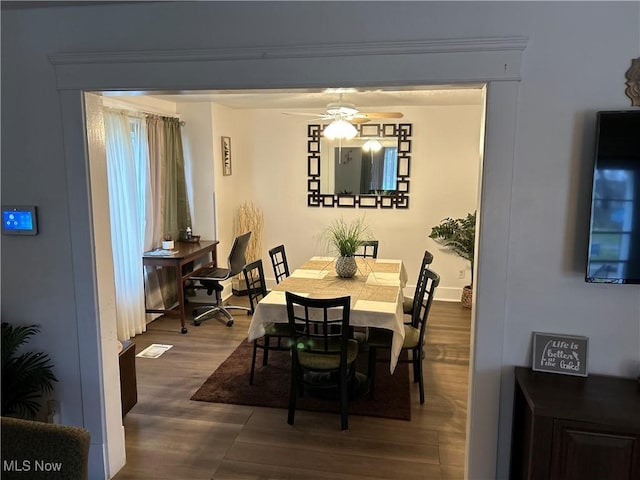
(344, 238)
(459, 236)
(25, 375)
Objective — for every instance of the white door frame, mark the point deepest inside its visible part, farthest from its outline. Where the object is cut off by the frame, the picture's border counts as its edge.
(495, 62)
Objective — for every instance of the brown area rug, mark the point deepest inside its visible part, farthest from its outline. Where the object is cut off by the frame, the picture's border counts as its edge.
(230, 384)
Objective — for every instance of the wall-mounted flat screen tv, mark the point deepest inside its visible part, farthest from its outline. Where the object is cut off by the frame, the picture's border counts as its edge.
(614, 234)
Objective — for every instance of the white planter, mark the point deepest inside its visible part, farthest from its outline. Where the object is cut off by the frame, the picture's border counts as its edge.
(168, 244)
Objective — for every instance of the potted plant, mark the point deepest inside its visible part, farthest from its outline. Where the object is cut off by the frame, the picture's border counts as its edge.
(25, 376)
(459, 236)
(344, 238)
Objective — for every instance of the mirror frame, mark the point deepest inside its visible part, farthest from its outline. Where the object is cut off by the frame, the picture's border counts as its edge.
(398, 199)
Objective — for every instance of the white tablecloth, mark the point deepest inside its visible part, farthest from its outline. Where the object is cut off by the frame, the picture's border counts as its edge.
(376, 296)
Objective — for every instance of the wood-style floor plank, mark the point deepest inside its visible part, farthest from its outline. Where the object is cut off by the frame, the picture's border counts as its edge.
(169, 436)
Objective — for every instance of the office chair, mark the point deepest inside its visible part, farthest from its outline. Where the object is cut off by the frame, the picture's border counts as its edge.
(210, 279)
(368, 248)
(279, 262)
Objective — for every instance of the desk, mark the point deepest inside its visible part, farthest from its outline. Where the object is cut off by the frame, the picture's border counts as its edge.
(376, 296)
(186, 252)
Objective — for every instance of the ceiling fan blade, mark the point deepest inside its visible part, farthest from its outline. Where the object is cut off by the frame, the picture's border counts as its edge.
(301, 114)
(380, 114)
(359, 120)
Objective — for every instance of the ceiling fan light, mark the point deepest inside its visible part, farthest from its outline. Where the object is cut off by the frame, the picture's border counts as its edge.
(372, 145)
(340, 129)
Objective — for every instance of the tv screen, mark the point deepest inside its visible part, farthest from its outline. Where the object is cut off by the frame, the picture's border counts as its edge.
(614, 235)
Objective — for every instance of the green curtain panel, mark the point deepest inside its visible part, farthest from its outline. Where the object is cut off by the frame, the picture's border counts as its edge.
(177, 216)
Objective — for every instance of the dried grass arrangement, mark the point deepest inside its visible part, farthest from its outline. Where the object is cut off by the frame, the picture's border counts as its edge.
(249, 218)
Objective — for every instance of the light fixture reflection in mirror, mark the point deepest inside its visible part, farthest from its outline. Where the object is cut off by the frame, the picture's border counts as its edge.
(372, 145)
(369, 171)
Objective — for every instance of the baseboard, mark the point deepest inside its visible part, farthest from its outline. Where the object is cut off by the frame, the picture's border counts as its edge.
(448, 294)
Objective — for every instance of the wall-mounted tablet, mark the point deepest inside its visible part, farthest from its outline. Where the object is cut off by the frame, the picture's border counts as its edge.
(19, 220)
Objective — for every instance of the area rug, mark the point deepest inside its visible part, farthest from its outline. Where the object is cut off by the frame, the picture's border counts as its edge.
(230, 384)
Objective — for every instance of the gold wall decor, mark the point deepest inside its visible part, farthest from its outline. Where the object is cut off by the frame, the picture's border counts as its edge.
(633, 82)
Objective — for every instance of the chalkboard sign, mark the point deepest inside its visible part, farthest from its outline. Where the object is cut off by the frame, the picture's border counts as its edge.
(565, 354)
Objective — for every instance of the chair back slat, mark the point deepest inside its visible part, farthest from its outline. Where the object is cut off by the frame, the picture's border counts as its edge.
(319, 325)
(428, 282)
(279, 262)
(368, 248)
(255, 282)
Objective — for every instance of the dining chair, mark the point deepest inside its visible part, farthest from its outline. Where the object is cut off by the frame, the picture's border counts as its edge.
(210, 279)
(257, 290)
(323, 354)
(279, 262)
(413, 332)
(408, 302)
(368, 248)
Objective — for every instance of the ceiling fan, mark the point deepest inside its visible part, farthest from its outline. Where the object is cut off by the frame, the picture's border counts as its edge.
(343, 116)
(348, 112)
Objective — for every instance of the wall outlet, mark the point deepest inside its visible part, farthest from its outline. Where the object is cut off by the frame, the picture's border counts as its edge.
(461, 273)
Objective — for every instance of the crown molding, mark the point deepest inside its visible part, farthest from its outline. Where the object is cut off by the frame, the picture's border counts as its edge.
(412, 47)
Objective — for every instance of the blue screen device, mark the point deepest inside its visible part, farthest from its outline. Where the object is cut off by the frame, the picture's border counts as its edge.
(19, 220)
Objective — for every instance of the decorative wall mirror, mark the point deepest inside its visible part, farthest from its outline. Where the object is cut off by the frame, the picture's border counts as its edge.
(370, 170)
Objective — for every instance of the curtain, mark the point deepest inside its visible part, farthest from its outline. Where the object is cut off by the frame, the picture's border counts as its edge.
(171, 214)
(147, 200)
(390, 180)
(177, 216)
(126, 153)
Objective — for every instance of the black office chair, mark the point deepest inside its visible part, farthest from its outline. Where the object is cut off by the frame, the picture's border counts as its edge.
(323, 355)
(368, 248)
(257, 290)
(408, 302)
(279, 262)
(380, 338)
(211, 278)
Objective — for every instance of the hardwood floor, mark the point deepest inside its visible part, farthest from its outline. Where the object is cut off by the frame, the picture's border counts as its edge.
(169, 436)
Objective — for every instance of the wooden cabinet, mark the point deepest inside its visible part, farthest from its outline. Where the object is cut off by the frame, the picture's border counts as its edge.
(128, 384)
(570, 428)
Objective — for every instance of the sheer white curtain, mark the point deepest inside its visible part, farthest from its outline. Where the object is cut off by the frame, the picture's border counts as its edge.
(127, 171)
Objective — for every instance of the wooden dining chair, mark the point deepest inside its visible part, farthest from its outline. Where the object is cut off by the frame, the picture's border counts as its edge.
(368, 248)
(323, 354)
(413, 332)
(279, 262)
(257, 290)
(407, 303)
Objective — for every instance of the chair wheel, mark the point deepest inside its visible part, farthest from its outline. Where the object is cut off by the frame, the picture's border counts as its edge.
(184, 330)
(196, 323)
(229, 323)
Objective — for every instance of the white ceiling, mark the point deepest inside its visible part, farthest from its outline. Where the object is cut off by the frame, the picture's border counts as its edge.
(319, 98)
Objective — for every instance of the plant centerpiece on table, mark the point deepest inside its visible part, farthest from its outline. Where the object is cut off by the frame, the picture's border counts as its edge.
(459, 236)
(344, 238)
(26, 376)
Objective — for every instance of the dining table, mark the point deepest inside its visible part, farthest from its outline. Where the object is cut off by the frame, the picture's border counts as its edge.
(376, 292)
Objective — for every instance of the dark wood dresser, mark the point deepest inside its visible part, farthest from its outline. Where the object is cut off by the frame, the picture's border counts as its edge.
(128, 384)
(575, 428)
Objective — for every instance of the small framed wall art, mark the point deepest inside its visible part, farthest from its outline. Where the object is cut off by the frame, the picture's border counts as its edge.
(565, 354)
(226, 156)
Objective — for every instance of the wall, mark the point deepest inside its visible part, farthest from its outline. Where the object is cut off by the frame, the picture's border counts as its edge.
(444, 180)
(270, 169)
(573, 65)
